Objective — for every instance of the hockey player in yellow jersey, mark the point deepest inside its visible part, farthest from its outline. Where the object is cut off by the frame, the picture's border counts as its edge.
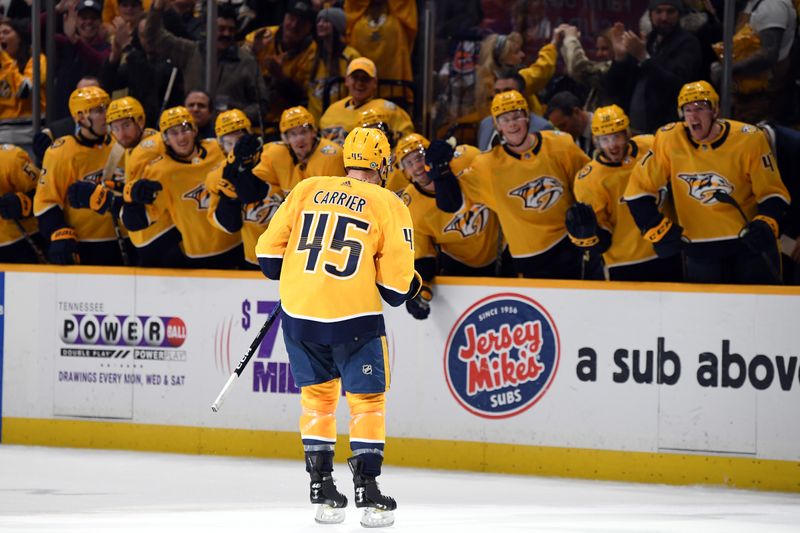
(238, 200)
(175, 184)
(450, 244)
(77, 234)
(157, 245)
(599, 222)
(726, 188)
(300, 154)
(339, 245)
(20, 241)
(362, 85)
(527, 181)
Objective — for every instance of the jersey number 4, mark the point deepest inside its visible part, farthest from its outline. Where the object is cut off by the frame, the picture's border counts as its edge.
(317, 223)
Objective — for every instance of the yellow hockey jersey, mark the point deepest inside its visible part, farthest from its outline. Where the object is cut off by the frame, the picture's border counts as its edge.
(339, 244)
(185, 199)
(11, 80)
(279, 168)
(739, 162)
(342, 116)
(388, 43)
(69, 159)
(136, 159)
(17, 174)
(321, 77)
(529, 192)
(601, 184)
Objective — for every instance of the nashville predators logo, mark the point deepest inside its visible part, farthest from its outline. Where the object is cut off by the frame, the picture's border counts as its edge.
(703, 185)
(540, 194)
(470, 222)
(5, 89)
(199, 195)
(261, 212)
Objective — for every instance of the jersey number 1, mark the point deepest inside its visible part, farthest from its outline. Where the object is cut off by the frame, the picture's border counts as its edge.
(338, 242)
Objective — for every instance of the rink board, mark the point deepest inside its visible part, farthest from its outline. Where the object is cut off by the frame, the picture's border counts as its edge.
(643, 382)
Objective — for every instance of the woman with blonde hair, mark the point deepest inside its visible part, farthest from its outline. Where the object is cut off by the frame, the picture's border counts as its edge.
(16, 70)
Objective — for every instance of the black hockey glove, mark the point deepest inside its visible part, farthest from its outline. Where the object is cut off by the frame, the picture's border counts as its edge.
(249, 188)
(420, 306)
(667, 238)
(247, 152)
(15, 205)
(87, 195)
(63, 249)
(437, 160)
(582, 225)
(759, 234)
(141, 191)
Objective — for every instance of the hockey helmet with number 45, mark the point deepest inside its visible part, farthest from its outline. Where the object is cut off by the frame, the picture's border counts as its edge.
(367, 148)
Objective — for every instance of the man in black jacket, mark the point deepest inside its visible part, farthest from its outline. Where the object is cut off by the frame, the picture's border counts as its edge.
(647, 73)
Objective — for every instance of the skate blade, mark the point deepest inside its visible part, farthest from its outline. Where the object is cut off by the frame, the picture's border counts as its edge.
(377, 518)
(329, 515)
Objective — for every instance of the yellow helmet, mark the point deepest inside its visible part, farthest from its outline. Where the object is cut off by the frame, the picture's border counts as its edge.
(508, 101)
(413, 142)
(697, 91)
(609, 119)
(125, 107)
(374, 118)
(367, 148)
(296, 116)
(86, 98)
(175, 116)
(231, 121)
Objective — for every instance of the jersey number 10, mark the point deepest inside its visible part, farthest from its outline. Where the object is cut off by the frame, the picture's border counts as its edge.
(337, 243)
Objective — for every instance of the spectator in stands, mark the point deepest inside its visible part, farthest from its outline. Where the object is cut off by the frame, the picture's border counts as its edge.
(16, 9)
(58, 128)
(507, 80)
(330, 61)
(361, 81)
(81, 50)
(384, 31)
(182, 20)
(765, 32)
(285, 54)
(646, 73)
(18, 179)
(590, 74)
(201, 107)
(529, 19)
(565, 112)
(499, 52)
(16, 70)
(130, 10)
(238, 83)
(142, 70)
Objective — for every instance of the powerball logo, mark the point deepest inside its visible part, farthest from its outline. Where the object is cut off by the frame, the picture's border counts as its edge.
(501, 356)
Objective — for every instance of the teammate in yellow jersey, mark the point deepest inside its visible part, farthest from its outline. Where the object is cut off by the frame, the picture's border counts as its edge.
(339, 244)
(77, 234)
(157, 245)
(726, 188)
(20, 241)
(238, 200)
(342, 116)
(175, 184)
(460, 244)
(527, 181)
(600, 221)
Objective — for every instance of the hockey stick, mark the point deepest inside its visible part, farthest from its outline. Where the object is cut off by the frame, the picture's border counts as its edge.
(38, 251)
(725, 198)
(168, 91)
(237, 372)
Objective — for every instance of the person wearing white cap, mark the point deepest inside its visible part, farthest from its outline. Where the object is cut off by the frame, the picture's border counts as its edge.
(342, 116)
(330, 61)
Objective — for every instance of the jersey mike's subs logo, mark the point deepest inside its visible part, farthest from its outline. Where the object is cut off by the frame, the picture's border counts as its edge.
(703, 185)
(540, 194)
(501, 356)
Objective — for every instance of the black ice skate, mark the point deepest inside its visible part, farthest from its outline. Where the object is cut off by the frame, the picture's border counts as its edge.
(378, 508)
(329, 501)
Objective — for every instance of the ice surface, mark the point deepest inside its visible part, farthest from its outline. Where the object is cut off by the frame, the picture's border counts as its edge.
(57, 489)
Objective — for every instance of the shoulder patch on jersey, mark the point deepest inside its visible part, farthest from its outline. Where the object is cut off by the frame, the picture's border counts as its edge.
(58, 142)
(155, 160)
(388, 104)
(747, 128)
(585, 171)
(406, 198)
(328, 150)
(667, 127)
(7, 147)
(557, 132)
(147, 143)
